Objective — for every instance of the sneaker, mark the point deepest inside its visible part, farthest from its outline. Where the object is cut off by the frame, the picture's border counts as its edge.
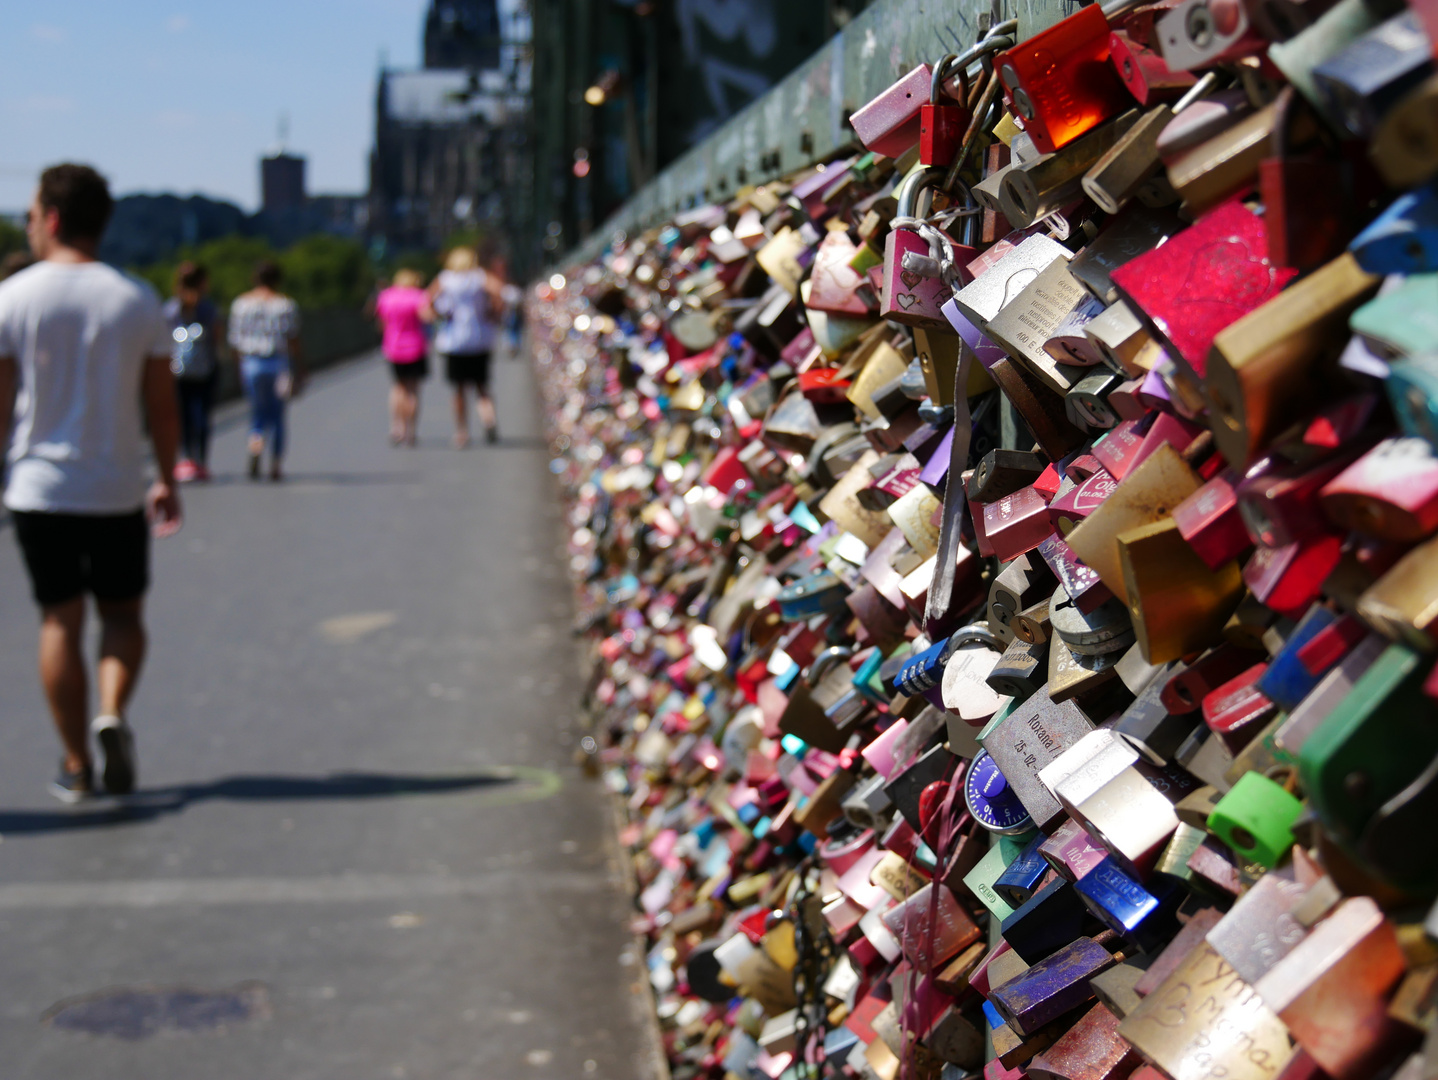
(491, 434)
(73, 787)
(254, 469)
(117, 753)
(186, 471)
(202, 473)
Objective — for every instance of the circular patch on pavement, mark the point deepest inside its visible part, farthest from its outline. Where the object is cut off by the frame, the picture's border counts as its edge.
(143, 1011)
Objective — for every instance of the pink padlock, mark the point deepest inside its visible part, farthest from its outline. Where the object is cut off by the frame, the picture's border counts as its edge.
(914, 289)
(889, 124)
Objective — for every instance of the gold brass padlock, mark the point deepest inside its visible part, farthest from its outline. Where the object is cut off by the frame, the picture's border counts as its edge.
(1261, 369)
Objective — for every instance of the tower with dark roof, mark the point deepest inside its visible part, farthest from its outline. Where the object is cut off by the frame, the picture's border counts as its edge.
(462, 34)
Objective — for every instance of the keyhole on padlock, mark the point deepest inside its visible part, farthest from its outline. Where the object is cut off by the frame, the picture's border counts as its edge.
(1242, 838)
(1128, 67)
(1355, 784)
(1199, 27)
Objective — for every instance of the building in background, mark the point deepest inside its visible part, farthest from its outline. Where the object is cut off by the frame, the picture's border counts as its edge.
(282, 182)
(623, 87)
(450, 138)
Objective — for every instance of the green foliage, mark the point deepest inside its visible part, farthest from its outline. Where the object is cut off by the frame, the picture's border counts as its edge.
(319, 271)
(12, 238)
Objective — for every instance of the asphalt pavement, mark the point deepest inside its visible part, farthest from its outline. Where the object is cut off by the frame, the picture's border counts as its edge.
(361, 849)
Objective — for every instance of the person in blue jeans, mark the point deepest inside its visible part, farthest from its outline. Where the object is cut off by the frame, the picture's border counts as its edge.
(264, 331)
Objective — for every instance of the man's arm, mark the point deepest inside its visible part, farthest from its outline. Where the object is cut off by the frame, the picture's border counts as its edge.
(162, 415)
(8, 381)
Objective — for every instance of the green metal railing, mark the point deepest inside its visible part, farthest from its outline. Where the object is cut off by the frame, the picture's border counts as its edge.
(804, 119)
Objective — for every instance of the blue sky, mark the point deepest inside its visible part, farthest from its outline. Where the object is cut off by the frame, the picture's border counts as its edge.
(161, 95)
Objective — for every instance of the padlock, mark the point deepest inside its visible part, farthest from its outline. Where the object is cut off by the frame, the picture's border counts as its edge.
(889, 124)
(1017, 523)
(1023, 326)
(1055, 982)
(1040, 409)
(1091, 1048)
(1403, 239)
(917, 260)
(1178, 604)
(1087, 401)
(1059, 81)
(1151, 728)
(1255, 818)
(1227, 164)
(1068, 343)
(1052, 921)
(835, 287)
(1301, 55)
(1204, 118)
(942, 125)
(1237, 710)
(1279, 504)
(1203, 1013)
(1412, 386)
(1210, 521)
(1122, 340)
(1145, 496)
(1122, 239)
(1262, 369)
(1029, 738)
(1405, 144)
(1038, 188)
(1022, 877)
(1084, 587)
(1390, 493)
(1018, 586)
(1363, 81)
(1144, 914)
(1072, 507)
(1144, 73)
(984, 297)
(1305, 196)
(1199, 33)
(1002, 472)
(1022, 670)
(1071, 852)
(1332, 990)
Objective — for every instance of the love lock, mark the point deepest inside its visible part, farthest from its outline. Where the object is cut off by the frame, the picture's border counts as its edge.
(1105, 629)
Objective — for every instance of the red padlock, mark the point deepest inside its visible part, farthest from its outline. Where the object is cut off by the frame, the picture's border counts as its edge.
(1060, 83)
(1306, 196)
(1143, 71)
(942, 126)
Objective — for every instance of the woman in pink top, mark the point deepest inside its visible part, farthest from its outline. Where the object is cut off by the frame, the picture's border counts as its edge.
(402, 310)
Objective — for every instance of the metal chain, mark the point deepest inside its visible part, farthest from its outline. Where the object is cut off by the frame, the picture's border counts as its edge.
(815, 959)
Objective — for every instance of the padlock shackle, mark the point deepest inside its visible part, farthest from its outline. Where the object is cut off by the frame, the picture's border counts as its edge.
(1197, 92)
(821, 664)
(919, 177)
(941, 70)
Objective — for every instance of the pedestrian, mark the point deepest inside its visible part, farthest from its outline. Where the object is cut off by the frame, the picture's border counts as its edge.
(264, 330)
(196, 331)
(88, 349)
(402, 310)
(464, 298)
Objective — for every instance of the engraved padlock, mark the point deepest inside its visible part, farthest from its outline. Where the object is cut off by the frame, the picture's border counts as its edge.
(942, 124)
(920, 261)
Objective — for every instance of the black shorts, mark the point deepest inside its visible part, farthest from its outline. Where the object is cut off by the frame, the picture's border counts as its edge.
(461, 368)
(69, 555)
(413, 370)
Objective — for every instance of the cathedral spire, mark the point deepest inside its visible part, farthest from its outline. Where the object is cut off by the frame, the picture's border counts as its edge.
(462, 34)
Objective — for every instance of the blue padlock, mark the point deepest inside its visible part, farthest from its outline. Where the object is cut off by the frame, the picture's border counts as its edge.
(1403, 239)
(1287, 681)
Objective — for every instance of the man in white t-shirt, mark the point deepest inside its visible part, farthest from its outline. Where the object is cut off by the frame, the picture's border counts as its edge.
(84, 369)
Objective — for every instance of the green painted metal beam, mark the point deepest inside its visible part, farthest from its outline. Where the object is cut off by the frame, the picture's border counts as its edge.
(804, 119)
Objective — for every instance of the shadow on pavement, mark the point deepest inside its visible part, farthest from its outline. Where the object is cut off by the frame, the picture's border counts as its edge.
(147, 805)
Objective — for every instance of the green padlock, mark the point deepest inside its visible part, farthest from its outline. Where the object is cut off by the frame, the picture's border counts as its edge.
(1256, 819)
(980, 880)
(1376, 742)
